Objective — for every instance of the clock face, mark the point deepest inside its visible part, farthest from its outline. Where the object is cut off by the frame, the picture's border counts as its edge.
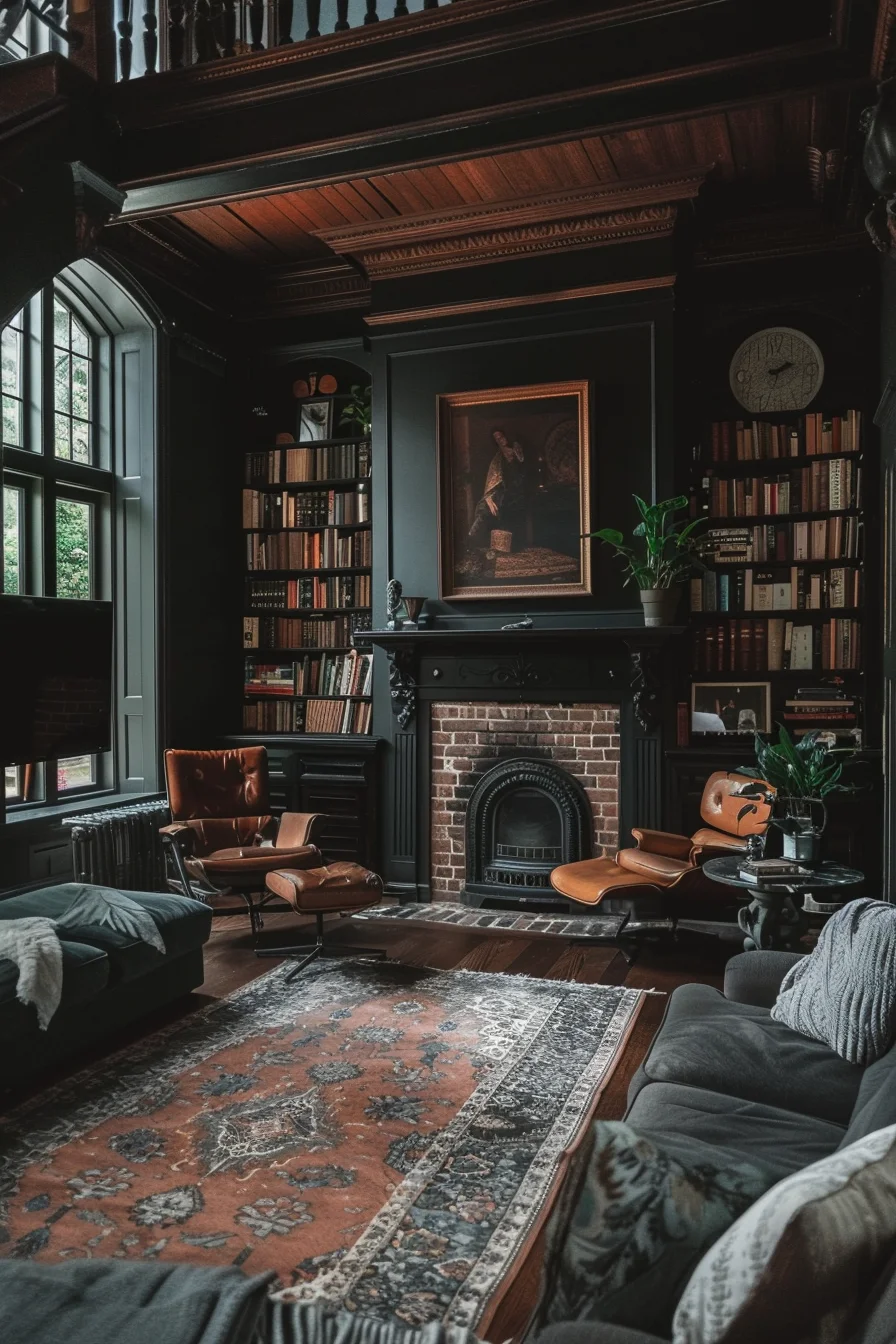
(779, 369)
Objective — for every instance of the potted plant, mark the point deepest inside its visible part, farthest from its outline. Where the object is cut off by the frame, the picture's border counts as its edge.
(800, 775)
(664, 559)
(357, 410)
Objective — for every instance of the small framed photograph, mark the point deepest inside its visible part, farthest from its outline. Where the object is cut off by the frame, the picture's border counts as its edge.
(315, 418)
(725, 707)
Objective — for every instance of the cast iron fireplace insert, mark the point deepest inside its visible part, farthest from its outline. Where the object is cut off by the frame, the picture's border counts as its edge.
(524, 817)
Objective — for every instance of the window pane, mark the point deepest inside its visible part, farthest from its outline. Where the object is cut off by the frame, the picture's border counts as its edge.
(74, 541)
(13, 781)
(63, 436)
(11, 372)
(60, 324)
(72, 374)
(63, 382)
(80, 441)
(76, 772)
(13, 541)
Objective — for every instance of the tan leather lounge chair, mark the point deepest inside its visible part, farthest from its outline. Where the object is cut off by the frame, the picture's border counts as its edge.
(663, 862)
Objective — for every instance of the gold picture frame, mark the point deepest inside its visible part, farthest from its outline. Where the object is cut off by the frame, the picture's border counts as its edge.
(514, 492)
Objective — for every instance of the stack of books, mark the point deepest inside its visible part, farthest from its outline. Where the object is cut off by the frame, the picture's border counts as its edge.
(766, 872)
(823, 709)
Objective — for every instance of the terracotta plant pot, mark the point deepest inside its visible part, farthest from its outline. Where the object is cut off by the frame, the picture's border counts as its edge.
(660, 605)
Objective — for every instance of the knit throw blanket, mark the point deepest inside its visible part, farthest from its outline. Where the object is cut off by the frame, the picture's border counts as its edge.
(32, 944)
(845, 993)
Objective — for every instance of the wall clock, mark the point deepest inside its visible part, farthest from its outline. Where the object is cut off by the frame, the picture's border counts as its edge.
(778, 369)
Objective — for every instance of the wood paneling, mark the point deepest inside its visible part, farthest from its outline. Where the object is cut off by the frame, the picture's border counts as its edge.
(757, 144)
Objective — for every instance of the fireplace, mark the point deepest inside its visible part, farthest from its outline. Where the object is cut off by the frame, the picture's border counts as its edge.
(524, 817)
(518, 789)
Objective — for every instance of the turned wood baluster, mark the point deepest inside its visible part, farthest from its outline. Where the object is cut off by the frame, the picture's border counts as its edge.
(150, 37)
(206, 49)
(430, 4)
(226, 27)
(400, 10)
(256, 24)
(125, 29)
(371, 16)
(176, 34)
(313, 8)
(284, 22)
(342, 24)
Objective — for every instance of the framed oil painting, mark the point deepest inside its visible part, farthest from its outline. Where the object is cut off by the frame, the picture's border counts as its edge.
(514, 494)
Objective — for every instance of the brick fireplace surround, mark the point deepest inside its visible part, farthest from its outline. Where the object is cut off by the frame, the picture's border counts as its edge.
(467, 739)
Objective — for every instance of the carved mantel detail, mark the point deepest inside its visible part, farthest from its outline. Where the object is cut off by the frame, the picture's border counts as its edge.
(402, 684)
(646, 686)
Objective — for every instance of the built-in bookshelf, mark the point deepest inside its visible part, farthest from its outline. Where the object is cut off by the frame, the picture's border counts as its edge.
(307, 529)
(783, 599)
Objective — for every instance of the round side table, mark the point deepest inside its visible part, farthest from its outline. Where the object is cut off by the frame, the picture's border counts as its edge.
(773, 918)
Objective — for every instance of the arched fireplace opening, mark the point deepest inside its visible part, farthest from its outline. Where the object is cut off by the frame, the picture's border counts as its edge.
(524, 817)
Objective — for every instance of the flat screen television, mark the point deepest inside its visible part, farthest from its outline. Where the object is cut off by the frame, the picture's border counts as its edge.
(55, 678)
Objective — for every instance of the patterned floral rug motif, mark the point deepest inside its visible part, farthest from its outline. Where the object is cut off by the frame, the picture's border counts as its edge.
(380, 1137)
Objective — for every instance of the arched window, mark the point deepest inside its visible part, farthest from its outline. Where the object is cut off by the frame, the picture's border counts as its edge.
(66, 511)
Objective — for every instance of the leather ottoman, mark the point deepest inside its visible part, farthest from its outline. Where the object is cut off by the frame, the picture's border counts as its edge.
(334, 887)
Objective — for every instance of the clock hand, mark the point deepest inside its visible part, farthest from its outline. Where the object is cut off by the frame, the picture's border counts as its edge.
(781, 368)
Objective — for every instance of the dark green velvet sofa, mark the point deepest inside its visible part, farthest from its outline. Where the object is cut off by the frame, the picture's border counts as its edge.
(109, 978)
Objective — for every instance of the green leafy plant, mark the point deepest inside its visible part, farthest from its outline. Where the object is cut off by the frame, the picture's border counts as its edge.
(357, 410)
(667, 553)
(804, 769)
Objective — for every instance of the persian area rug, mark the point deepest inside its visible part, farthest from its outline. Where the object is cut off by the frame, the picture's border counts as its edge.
(602, 928)
(384, 1138)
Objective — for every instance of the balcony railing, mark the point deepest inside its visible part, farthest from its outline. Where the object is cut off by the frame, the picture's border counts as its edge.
(189, 32)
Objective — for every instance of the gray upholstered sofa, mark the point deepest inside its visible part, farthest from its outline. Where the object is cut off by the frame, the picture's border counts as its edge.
(109, 978)
(723, 1080)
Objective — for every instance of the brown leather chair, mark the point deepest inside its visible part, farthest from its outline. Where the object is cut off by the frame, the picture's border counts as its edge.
(662, 862)
(223, 837)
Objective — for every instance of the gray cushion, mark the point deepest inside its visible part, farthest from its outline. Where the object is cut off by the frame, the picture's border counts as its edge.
(706, 1041)
(875, 1106)
(755, 977)
(686, 1120)
(184, 924)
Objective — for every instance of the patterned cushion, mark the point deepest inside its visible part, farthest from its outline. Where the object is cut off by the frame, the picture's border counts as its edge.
(797, 1265)
(627, 1234)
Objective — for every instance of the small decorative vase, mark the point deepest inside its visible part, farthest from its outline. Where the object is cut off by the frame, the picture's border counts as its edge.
(660, 605)
(413, 606)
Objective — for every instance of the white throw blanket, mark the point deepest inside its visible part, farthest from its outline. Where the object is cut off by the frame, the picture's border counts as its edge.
(845, 993)
(33, 943)
(34, 947)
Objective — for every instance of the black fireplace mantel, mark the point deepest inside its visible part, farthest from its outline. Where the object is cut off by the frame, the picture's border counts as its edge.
(639, 645)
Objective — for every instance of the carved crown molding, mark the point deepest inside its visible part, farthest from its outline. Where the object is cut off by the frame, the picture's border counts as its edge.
(477, 249)
(461, 219)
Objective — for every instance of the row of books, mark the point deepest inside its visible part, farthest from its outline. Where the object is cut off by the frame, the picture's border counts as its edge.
(793, 589)
(323, 674)
(307, 716)
(822, 539)
(836, 484)
(294, 632)
(294, 465)
(812, 435)
(309, 594)
(308, 550)
(306, 508)
(777, 645)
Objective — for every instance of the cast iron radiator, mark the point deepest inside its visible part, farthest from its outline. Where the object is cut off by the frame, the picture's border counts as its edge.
(121, 847)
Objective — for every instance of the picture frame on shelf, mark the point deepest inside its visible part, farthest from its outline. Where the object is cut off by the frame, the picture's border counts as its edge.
(514, 492)
(315, 421)
(730, 707)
